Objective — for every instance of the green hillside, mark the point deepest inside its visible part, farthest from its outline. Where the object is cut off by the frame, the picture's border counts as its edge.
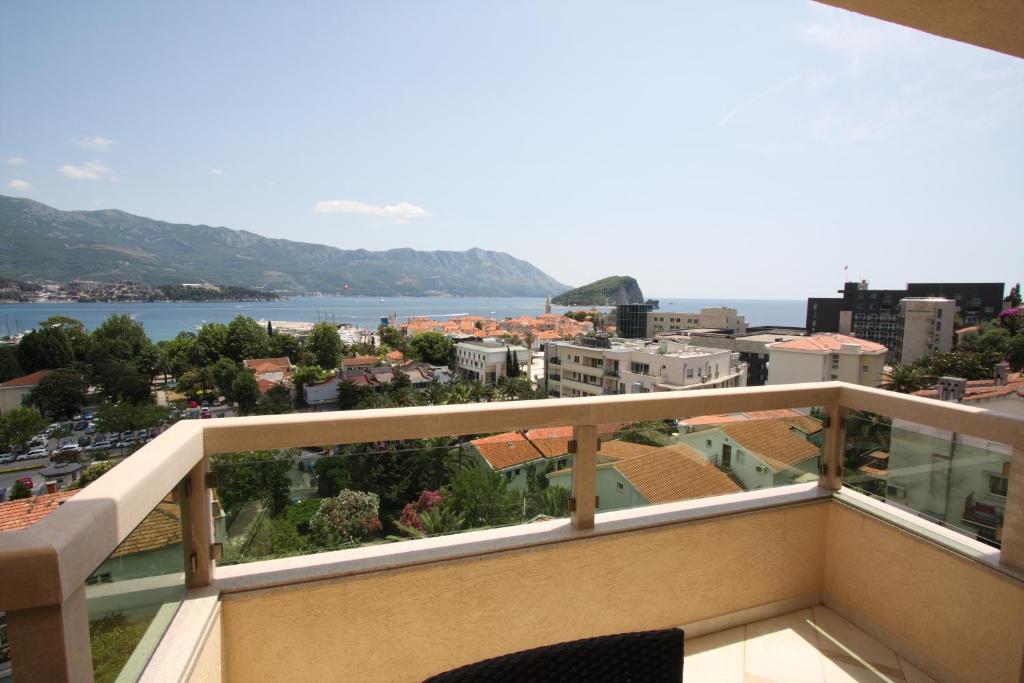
(617, 289)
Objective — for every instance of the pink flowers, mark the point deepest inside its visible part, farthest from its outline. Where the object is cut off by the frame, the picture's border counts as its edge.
(427, 501)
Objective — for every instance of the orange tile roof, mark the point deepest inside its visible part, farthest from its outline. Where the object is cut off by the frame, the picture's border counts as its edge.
(618, 449)
(827, 343)
(505, 450)
(982, 389)
(359, 360)
(25, 380)
(678, 472)
(160, 528)
(773, 441)
(281, 364)
(395, 355)
(18, 514)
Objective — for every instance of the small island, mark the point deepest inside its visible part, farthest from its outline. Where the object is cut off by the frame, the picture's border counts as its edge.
(617, 289)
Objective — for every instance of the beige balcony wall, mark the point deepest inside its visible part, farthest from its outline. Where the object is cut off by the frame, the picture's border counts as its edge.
(966, 618)
(411, 623)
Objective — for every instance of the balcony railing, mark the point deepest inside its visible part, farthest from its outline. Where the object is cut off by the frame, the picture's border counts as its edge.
(555, 361)
(609, 372)
(772, 549)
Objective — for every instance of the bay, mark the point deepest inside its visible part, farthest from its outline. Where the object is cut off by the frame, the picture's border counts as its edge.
(165, 320)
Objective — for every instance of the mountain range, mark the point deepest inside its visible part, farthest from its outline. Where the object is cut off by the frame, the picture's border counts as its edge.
(39, 242)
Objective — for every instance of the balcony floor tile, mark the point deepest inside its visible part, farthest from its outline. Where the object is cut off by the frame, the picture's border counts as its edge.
(814, 645)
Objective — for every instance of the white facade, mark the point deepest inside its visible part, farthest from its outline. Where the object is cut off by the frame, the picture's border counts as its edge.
(486, 361)
(716, 318)
(638, 367)
(319, 394)
(825, 358)
(926, 327)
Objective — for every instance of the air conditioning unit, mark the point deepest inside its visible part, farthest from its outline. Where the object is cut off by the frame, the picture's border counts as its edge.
(895, 491)
(761, 468)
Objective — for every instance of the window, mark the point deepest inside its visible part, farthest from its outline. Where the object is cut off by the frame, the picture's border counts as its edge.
(997, 484)
(707, 442)
(619, 486)
(938, 313)
(863, 368)
(835, 376)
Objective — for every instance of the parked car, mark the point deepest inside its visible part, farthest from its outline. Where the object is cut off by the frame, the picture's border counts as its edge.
(27, 481)
(90, 428)
(6, 458)
(220, 413)
(80, 425)
(70, 448)
(33, 454)
(52, 428)
(84, 441)
(98, 446)
(88, 416)
(66, 442)
(76, 417)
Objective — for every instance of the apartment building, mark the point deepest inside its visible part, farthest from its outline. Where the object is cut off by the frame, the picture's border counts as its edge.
(595, 366)
(487, 360)
(956, 479)
(717, 318)
(925, 327)
(873, 314)
(752, 346)
(826, 357)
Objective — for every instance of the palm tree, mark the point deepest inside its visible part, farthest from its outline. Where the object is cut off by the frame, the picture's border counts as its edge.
(906, 379)
(552, 501)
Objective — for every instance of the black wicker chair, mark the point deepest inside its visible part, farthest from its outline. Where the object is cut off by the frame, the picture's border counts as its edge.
(643, 657)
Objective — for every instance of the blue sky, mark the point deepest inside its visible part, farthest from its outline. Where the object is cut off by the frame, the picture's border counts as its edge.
(736, 149)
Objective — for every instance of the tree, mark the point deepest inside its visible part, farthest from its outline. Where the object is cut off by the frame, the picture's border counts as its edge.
(253, 476)
(19, 425)
(246, 339)
(552, 501)
(270, 329)
(122, 338)
(122, 381)
(19, 490)
(9, 367)
(45, 348)
(92, 473)
(61, 392)
(1014, 298)
(211, 344)
(283, 344)
(325, 344)
(75, 331)
(393, 339)
(511, 366)
(1015, 353)
(906, 379)
(306, 374)
(277, 401)
(175, 356)
(648, 433)
(245, 391)
(124, 416)
(483, 498)
(224, 372)
(347, 518)
(432, 347)
(351, 394)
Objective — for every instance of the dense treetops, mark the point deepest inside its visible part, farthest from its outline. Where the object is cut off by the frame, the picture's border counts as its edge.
(617, 289)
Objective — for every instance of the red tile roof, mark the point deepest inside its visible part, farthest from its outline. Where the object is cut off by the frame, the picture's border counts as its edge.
(26, 380)
(678, 472)
(773, 441)
(505, 450)
(261, 365)
(160, 528)
(358, 360)
(827, 343)
(983, 389)
(18, 514)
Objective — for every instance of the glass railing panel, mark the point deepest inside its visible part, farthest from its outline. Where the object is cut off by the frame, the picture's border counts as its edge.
(133, 595)
(317, 499)
(952, 479)
(666, 461)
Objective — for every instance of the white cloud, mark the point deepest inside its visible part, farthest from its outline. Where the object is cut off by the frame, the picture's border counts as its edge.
(855, 37)
(217, 171)
(90, 170)
(15, 161)
(400, 212)
(95, 142)
(20, 185)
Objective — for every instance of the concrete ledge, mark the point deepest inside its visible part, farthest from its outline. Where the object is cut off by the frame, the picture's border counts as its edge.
(182, 644)
(329, 565)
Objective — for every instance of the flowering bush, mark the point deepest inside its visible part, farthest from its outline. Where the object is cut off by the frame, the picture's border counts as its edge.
(427, 501)
(349, 517)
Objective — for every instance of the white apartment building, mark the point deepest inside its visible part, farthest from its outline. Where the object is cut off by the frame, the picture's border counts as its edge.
(487, 360)
(717, 318)
(925, 327)
(600, 365)
(826, 357)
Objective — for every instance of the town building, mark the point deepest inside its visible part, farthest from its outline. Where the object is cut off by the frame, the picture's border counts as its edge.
(752, 346)
(14, 392)
(631, 320)
(826, 357)
(270, 372)
(599, 365)
(925, 327)
(761, 453)
(717, 318)
(873, 314)
(634, 475)
(487, 360)
(952, 478)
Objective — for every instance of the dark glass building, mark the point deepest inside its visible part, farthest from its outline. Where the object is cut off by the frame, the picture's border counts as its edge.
(631, 320)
